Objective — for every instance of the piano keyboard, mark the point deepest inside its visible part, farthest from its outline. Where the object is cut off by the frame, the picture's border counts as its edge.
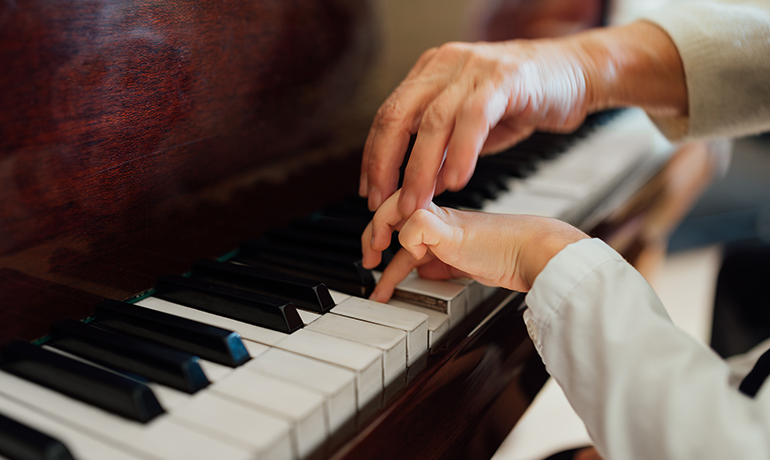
(276, 353)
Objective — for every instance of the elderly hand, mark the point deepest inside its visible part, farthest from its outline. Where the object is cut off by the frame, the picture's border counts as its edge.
(465, 100)
(494, 249)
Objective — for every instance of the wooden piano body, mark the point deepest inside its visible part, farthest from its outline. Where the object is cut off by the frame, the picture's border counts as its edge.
(138, 136)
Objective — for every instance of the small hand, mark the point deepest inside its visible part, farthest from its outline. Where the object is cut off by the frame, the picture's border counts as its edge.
(494, 249)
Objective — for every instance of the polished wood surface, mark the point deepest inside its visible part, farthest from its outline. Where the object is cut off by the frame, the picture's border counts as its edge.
(137, 135)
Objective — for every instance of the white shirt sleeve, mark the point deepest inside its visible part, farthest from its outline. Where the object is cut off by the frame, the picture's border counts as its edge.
(644, 388)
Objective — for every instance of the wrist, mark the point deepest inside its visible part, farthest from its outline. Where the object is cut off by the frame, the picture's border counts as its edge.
(544, 245)
(632, 65)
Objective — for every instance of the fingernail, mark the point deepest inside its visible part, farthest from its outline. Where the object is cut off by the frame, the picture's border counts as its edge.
(375, 198)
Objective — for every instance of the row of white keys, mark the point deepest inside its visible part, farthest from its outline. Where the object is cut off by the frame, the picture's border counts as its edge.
(438, 323)
(303, 409)
(335, 383)
(262, 434)
(364, 363)
(292, 431)
(262, 400)
(406, 335)
(477, 292)
(391, 341)
(440, 295)
(414, 324)
(80, 445)
(562, 187)
(163, 438)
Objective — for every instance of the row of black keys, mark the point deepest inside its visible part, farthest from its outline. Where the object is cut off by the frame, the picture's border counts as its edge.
(164, 348)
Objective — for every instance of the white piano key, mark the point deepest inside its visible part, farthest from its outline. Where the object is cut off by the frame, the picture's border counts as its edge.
(301, 407)
(161, 438)
(262, 434)
(332, 350)
(439, 295)
(247, 331)
(213, 414)
(363, 360)
(438, 323)
(338, 385)
(391, 341)
(477, 292)
(255, 349)
(214, 371)
(81, 445)
(452, 298)
(524, 202)
(413, 323)
(307, 316)
(338, 296)
(474, 292)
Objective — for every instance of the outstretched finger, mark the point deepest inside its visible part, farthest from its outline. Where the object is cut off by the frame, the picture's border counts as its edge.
(397, 270)
(436, 127)
(478, 115)
(395, 122)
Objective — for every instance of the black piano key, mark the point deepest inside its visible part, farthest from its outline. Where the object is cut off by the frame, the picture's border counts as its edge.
(21, 442)
(347, 287)
(495, 183)
(98, 387)
(302, 292)
(338, 244)
(340, 272)
(209, 342)
(352, 210)
(332, 243)
(155, 362)
(351, 229)
(464, 198)
(513, 166)
(511, 171)
(331, 225)
(246, 306)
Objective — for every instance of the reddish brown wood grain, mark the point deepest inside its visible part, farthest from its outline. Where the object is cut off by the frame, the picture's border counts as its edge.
(137, 134)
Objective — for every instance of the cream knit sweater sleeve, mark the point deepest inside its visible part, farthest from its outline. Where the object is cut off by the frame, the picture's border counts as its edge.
(725, 49)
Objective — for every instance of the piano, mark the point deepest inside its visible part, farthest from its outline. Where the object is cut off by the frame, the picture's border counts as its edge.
(176, 222)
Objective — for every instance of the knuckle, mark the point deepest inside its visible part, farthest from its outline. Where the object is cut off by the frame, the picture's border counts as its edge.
(475, 109)
(453, 48)
(435, 119)
(390, 113)
(421, 215)
(428, 54)
(377, 171)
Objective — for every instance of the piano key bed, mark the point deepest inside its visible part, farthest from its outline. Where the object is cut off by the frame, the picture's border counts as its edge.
(275, 352)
